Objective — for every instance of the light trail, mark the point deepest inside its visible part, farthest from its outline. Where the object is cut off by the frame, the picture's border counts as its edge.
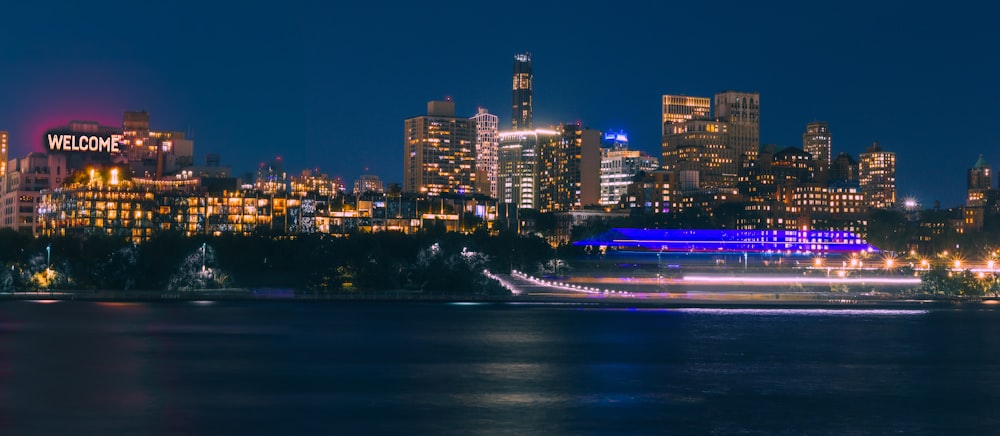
(770, 280)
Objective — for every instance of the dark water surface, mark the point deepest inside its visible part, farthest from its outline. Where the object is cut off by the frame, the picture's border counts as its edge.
(348, 368)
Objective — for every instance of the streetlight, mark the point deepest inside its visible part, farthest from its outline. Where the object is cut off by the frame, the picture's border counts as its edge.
(204, 246)
(48, 256)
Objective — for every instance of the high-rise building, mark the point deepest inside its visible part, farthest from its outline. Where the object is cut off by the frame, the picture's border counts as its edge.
(877, 176)
(440, 151)
(619, 167)
(569, 169)
(517, 174)
(680, 108)
(817, 141)
(697, 149)
(522, 106)
(487, 144)
(3, 156)
(742, 111)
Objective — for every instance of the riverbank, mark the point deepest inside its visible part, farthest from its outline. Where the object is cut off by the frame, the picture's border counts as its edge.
(699, 299)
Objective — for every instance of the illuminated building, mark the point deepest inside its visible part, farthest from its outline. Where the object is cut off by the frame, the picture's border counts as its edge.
(368, 183)
(698, 147)
(848, 210)
(568, 170)
(3, 153)
(487, 147)
(980, 181)
(271, 177)
(679, 108)
(518, 181)
(979, 188)
(619, 166)
(741, 110)
(656, 192)
(151, 153)
(139, 208)
(314, 182)
(730, 241)
(22, 185)
(440, 152)
(522, 88)
(817, 141)
(877, 175)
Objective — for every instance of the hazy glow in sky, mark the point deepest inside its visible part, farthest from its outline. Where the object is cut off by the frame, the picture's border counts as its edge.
(328, 86)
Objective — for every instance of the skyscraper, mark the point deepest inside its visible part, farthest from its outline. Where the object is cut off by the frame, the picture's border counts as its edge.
(521, 116)
(517, 174)
(569, 169)
(439, 152)
(679, 108)
(487, 143)
(817, 141)
(877, 177)
(742, 111)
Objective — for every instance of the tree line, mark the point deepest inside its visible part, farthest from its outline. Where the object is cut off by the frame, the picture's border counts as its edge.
(432, 261)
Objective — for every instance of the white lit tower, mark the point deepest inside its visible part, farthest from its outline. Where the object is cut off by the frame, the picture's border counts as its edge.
(487, 144)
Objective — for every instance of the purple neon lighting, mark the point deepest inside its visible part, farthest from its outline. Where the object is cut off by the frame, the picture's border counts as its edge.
(731, 240)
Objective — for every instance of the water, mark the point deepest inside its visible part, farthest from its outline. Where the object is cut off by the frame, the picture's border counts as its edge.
(334, 368)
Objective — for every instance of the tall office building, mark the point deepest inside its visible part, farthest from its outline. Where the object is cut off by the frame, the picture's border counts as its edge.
(439, 152)
(3, 156)
(680, 108)
(517, 166)
(697, 150)
(521, 116)
(487, 144)
(569, 169)
(817, 141)
(877, 177)
(742, 111)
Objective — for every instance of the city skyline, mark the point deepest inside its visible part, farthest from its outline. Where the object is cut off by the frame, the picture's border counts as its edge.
(314, 84)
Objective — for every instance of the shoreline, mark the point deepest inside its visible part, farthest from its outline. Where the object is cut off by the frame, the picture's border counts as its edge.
(702, 299)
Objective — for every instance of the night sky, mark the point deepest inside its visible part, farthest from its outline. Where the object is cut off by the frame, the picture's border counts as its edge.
(328, 87)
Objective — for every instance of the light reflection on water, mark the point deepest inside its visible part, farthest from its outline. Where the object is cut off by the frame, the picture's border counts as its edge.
(322, 368)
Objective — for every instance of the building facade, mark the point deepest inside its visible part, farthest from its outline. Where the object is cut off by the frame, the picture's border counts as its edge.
(817, 141)
(487, 147)
(698, 148)
(741, 110)
(680, 108)
(619, 167)
(877, 176)
(521, 116)
(568, 170)
(518, 166)
(440, 152)
(20, 192)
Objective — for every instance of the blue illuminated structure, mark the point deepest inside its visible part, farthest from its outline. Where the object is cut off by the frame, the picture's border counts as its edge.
(731, 241)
